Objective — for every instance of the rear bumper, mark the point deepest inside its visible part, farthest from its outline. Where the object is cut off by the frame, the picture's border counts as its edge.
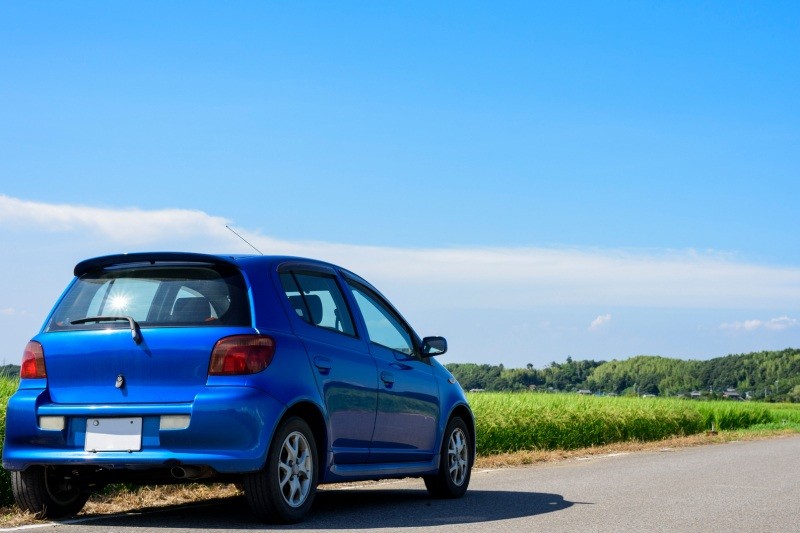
(229, 431)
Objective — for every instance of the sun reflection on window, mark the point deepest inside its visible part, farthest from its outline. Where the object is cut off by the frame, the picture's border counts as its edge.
(118, 302)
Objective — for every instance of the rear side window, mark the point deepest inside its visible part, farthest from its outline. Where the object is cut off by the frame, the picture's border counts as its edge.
(316, 299)
(156, 296)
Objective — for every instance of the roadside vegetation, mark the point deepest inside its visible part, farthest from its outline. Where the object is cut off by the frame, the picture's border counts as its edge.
(510, 422)
(7, 387)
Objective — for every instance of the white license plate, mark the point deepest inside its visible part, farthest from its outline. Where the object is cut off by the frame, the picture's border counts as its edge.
(113, 435)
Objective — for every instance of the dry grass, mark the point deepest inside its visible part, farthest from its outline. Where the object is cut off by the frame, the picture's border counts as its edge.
(138, 499)
(145, 498)
(530, 457)
(13, 517)
(150, 497)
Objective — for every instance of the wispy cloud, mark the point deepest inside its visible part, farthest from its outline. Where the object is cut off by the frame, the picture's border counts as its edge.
(774, 324)
(127, 226)
(7, 311)
(599, 322)
(469, 277)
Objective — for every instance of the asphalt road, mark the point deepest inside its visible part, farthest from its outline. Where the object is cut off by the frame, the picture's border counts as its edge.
(741, 486)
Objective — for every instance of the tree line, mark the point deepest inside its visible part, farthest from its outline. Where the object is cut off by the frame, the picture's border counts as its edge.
(770, 375)
(9, 370)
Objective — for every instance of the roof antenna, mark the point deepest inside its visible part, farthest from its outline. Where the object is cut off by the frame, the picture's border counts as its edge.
(245, 240)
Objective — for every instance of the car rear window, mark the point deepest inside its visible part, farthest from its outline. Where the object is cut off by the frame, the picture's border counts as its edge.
(156, 296)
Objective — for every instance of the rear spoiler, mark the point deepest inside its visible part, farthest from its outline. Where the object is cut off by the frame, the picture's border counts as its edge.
(150, 257)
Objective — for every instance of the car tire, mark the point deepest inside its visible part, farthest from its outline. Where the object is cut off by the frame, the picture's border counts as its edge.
(455, 463)
(283, 491)
(48, 492)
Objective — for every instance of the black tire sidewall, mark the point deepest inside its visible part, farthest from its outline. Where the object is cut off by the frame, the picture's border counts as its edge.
(456, 490)
(30, 489)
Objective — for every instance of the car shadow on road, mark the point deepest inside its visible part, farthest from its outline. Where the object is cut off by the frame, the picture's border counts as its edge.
(355, 509)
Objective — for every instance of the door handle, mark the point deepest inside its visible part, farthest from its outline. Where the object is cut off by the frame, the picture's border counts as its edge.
(387, 377)
(323, 364)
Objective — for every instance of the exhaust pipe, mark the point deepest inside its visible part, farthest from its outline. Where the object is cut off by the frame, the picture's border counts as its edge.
(191, 472)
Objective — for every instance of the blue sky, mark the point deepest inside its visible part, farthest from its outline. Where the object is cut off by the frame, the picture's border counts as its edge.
(531, 180)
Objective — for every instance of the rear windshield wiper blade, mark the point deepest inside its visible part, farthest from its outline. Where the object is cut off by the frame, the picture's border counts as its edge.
(136, 333)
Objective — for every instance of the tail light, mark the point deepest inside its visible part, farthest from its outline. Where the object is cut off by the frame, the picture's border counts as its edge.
(241, 354)
(33, 362)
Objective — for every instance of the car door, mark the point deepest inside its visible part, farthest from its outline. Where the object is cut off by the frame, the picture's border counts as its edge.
(343, 367)
(408, 396)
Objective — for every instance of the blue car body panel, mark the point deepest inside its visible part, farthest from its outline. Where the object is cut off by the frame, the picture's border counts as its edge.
(165, 366)
(226, 432)
(379, 413)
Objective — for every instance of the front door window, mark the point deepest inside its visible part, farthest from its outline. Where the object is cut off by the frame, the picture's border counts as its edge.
(383, 327)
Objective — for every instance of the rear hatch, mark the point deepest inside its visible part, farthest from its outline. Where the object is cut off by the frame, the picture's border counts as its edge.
(141, 332)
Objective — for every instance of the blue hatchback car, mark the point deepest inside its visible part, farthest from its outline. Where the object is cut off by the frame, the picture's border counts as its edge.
(278, 373)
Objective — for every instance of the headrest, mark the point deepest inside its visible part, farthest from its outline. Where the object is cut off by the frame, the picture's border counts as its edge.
(193, 309)
(315, 307)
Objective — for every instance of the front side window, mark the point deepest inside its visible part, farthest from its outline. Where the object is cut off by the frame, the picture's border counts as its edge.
(383, 326)
(316, 299)
(155, 296)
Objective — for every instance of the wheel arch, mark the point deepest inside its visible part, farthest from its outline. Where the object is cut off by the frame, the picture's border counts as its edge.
(313, 416)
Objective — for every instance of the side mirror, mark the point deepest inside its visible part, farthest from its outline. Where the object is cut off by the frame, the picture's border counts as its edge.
(432, 346)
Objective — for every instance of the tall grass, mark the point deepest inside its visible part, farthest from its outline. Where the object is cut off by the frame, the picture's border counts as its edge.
(509, 422)
(7, 387)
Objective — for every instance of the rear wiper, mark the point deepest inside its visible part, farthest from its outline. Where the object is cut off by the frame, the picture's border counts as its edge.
(136, 334)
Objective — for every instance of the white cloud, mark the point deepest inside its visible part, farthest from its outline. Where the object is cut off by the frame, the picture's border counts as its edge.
(462, 293)
(774, 324)
(599, 322)
(474, 278)
(783, 322)
(128, 226)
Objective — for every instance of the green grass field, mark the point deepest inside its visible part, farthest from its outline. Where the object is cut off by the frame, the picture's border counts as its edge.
(7, 387)
(508, 422)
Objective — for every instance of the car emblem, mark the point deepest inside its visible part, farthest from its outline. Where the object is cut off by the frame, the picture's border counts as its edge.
(120, 381)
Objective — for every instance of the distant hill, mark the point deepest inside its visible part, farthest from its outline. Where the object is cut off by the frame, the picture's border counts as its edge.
(771, 375)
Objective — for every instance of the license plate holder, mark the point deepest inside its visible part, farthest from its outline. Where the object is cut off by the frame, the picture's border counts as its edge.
(113, 434)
